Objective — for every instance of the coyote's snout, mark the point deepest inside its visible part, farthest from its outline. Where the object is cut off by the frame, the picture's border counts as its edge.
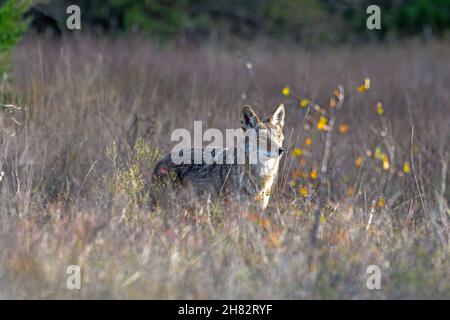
(246, 172)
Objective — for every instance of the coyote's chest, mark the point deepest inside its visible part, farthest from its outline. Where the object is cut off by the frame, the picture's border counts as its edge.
(258, 181)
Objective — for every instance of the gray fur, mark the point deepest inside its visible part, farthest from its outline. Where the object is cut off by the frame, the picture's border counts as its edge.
(244, 182)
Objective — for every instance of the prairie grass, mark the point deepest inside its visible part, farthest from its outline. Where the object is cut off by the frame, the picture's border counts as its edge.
(87, 118)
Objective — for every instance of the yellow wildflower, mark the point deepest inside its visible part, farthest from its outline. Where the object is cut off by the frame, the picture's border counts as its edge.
(380, 155)
(406, 167)
(304, 103)
(386, 164)
(297, 152)
(286, 91)
(303, 191)
(380, 109)
(365, 86)
(322, 124)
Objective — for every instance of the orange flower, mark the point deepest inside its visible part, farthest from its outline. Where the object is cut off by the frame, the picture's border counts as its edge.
(297, 174)
(308, 141)
(350, 191)
(253, 218)
(332, 103)
(343, 128)
(359, 161)
(302, 162)
(274, 239)
(313, 174)
(264, 223)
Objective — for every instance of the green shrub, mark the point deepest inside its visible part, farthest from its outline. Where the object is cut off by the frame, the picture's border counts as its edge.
(128, 180)
(12, 26)
(155, 17)
(414, 16)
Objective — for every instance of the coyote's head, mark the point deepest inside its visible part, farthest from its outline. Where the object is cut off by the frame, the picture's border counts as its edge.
(263, 138)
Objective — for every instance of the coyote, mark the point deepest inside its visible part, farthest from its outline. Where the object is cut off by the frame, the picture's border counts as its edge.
(229, 177)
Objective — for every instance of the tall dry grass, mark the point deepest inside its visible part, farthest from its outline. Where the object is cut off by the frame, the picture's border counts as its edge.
(88, 118)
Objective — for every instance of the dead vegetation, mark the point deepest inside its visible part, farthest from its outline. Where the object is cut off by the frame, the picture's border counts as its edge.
(366, 184)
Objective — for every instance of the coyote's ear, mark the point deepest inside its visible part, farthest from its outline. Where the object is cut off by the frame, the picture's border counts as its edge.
(277, 118)
(249, 118)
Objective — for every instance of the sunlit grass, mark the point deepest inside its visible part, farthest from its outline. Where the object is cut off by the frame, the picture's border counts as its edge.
(94, 116)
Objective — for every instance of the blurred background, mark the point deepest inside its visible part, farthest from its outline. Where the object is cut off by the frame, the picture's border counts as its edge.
(310, 22)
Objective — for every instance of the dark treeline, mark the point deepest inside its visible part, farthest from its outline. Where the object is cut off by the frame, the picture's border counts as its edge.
(309, 21)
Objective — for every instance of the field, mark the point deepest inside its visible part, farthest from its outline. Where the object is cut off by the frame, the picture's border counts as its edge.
(85, 120)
